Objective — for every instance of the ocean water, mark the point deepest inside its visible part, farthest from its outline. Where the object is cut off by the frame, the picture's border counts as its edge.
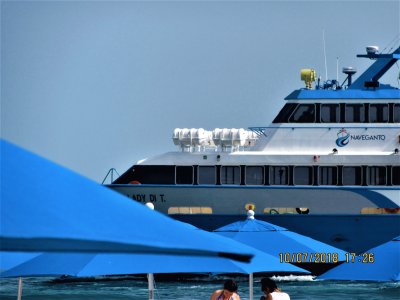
(300, 288)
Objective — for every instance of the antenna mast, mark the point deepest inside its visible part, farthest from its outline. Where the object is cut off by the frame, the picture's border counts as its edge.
(326, 68)
(337, 69)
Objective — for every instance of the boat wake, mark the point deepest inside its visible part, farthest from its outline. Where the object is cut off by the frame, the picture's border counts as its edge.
(294, 278)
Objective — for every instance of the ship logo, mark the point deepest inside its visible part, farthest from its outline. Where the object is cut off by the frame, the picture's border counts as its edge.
(343, 138)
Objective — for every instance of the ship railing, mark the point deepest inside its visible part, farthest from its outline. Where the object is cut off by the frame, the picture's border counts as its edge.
(259, 130)
(110, 174)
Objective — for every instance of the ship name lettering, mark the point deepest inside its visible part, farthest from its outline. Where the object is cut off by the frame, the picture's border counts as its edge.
(162, 198)
(150, 197)
(366, 137)
(140, 197)
(153, 198)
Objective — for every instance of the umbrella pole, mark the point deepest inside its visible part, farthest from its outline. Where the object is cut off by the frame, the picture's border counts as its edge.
(251, 286)
(150, 279)
(19, 288)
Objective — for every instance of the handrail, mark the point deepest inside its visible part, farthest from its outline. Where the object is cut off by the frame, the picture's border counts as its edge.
(110, 173)
(260, 130)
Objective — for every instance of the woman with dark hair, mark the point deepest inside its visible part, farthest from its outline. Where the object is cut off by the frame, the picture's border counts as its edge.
(271, 291)
(229, 292)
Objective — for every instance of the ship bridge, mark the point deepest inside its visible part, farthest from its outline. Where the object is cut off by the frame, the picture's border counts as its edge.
(366, 86)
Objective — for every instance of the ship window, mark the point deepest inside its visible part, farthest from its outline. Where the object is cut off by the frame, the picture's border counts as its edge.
(328, 176)
(303, 175)
(279, 175)
(372, 211)
(396, 175)
(230, 175)
(184, 175)
(285, 112)
(304, 113)
(189, 210)
(206, 174)
(396, 113)
(376, 175)
(279, 210)
(154, 174)
(378, 113)
(255, 175)
(330, 113)
(379, 210)
(352, 175)
(355, 113)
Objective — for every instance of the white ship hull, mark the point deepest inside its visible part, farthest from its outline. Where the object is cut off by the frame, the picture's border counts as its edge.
(233, 199)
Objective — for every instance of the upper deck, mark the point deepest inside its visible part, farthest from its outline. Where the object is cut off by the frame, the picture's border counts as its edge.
(364, 115)
(383, 93)
(366, 100)
(366, 86)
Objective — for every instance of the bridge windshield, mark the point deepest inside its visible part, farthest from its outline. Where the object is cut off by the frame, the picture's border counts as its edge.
(339, 113)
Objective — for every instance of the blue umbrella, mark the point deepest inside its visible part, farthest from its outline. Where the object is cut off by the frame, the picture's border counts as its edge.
(45, 207)
(280, 242)
(381, 263)
(9, 260)
(90, 264)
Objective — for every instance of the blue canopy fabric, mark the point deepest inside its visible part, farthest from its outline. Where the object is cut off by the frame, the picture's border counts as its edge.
(89, 264)
(276, 240)
(45, 207)
(384, 267)
(250, 225)
(9, 260)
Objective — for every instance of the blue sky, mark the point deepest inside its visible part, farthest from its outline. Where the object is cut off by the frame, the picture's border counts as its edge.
(94, 85)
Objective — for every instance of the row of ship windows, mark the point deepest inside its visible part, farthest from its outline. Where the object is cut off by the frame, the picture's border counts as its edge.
(268, 175)
(339, 113)
(275, 210)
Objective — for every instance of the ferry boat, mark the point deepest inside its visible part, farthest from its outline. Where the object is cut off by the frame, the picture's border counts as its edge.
(328, 166)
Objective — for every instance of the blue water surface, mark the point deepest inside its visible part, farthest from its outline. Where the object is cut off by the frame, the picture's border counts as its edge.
(35, 288)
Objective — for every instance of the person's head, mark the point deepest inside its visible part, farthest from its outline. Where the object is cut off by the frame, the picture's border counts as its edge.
(268, 285)
(230, 287)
